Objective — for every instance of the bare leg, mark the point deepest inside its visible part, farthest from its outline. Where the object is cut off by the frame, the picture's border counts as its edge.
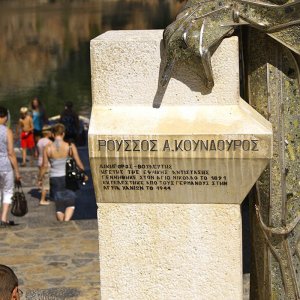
(43, 200)
(60, 216)
(5, 209)
(31, 156)
(24, 156)
(69, 213)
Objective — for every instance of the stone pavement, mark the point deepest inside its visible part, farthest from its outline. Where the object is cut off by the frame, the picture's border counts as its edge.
(52, 260)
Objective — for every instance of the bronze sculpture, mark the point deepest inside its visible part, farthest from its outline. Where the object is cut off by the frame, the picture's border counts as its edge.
(203, 24)
(272, 86)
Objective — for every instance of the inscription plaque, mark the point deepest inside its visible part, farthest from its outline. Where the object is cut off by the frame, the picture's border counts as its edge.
(209, 154)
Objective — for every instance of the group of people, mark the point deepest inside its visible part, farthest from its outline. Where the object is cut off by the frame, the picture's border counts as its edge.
(53, 146)
(31, 125)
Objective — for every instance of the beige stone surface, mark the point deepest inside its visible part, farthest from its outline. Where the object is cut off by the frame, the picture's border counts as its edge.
(226, 181)
(215, 155)
(178, 120)
(163, 250)
(159, 251)
(126, 65)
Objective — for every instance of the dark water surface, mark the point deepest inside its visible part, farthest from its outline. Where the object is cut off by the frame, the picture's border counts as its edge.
(44, 46)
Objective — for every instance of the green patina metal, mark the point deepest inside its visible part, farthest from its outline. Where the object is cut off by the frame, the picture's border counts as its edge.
(271, 48)
(273, 89)
(202, 25)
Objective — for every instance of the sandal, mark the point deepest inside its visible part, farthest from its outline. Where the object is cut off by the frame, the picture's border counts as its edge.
(8, 223)
(3, 224)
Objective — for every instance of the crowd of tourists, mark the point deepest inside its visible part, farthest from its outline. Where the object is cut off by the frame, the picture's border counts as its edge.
(50, 145)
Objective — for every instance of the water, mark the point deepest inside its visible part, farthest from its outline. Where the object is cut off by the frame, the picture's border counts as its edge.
(44, 46)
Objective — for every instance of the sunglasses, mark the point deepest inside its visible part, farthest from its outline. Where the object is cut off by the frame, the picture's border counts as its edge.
(20, 292)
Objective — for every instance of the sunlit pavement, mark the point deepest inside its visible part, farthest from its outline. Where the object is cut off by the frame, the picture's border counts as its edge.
(52, 260)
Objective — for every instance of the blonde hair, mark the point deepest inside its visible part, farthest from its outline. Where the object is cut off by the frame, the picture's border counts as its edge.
(46, 130)
(23, 110)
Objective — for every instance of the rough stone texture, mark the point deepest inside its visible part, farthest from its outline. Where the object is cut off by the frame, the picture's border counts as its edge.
(165, 251)
(238, 167)
(246, 286)
(126, 69)
(170, 252)
(29, 176)
(52, 260)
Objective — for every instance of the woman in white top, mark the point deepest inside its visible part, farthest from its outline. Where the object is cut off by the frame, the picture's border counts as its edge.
(8, 163)
(56, 154)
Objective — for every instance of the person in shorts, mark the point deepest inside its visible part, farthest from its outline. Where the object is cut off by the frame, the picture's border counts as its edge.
(41, 144)
(8, 164)
(57, 154)
(27, 140)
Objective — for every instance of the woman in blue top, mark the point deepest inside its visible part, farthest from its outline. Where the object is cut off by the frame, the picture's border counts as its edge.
(39, 120)
(38, 116)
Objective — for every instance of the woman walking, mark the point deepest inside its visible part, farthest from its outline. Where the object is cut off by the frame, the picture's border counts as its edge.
(56, 154)
(8, 164)
(39, 118)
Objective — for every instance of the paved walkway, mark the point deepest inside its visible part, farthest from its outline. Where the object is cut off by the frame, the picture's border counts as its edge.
(52, 260)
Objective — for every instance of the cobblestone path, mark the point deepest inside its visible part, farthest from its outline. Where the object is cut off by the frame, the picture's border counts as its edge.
(52, 260)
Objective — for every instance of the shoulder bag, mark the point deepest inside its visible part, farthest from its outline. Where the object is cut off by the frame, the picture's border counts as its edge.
(73, 174)
(19, 206)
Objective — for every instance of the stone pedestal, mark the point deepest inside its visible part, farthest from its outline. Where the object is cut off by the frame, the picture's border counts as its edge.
(170, 251)
(169, 211)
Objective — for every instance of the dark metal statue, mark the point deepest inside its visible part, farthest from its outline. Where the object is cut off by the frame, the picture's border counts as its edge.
(272, 87)
(202, 25)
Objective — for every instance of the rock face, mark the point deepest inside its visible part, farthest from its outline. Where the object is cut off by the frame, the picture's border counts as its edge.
(50, 31)
(46, 34)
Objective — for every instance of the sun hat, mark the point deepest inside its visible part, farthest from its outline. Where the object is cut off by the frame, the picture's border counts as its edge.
(46, 128)
(23, 110)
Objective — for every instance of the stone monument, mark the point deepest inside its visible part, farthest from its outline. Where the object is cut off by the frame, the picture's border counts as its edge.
(169, 181)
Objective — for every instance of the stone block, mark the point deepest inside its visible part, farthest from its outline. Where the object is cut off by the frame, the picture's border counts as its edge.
(159, 250)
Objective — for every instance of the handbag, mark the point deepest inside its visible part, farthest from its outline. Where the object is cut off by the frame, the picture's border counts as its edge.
(19, 206)
(73, 174)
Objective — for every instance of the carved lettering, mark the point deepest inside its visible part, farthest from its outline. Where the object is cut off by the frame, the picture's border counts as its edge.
(254, 145)
(187, 145)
